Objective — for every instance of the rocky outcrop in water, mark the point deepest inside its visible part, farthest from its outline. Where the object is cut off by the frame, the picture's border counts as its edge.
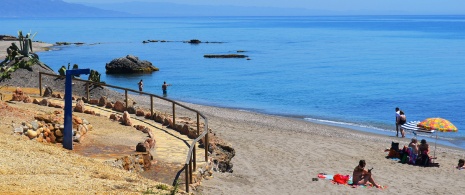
(129, 64)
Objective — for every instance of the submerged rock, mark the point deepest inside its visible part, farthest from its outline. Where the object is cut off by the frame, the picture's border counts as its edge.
(224, 56)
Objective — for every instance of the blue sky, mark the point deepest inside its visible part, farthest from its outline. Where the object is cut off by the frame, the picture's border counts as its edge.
(407, 6)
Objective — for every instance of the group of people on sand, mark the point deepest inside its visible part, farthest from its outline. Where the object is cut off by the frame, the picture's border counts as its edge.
(362, 176)
(164, 87)
(420, 151)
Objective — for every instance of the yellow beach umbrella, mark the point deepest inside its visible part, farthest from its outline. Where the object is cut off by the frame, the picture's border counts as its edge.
(437, 124)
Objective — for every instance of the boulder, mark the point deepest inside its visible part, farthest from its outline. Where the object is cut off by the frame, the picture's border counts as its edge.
(119, 106)
(77, 138)
(93, 101)
(48, 92)
(103, 101)
(27, 99)
(18, 95)
(127, 119)
(79, 106)
(51, 104)
(44, 102)
(140, 112)
(150, 142)
(141, 147)
(131, 110)
(76, 120)
(58, 133)
(31, 134)
(91, 112)
(129, 64)
(148, 116)
(109, 105)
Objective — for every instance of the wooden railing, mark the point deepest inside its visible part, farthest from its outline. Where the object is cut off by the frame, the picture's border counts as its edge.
(190, 163)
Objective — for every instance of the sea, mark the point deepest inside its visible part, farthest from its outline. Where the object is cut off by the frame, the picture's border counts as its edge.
(349, 71)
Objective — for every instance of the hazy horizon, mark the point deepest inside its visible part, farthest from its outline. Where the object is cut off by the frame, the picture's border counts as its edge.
(452, 7)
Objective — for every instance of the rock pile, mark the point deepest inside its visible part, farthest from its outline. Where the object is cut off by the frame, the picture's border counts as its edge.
(48, 128)
(20, 96)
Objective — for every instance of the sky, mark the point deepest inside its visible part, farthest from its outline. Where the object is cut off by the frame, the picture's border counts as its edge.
(408, 6)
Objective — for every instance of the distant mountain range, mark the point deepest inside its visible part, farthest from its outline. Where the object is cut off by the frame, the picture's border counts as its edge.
(173, 9)
(59, 8)
(51, 8)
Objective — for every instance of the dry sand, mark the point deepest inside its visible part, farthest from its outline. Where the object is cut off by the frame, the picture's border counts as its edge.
(278, 155)
(30, 167)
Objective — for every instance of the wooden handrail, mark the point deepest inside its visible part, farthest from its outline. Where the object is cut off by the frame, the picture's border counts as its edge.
(190, 163)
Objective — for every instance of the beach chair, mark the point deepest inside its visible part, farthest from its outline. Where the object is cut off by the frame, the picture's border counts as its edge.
(394, 152)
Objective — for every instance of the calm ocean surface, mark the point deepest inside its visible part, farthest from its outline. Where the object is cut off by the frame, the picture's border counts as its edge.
(349, 71)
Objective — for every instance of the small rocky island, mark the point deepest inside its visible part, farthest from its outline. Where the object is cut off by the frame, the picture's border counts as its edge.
(129, 64)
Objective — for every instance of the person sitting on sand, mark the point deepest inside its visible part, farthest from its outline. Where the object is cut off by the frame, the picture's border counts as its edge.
(362, 176)
(414, 145)
(414, 152)
(461, 164)
(423, 153)
(423, 148)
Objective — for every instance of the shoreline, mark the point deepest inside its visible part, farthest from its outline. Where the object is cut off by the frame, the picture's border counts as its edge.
(356, 128)
(36, 47)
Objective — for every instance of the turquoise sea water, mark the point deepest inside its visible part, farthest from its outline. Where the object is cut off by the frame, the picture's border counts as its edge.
(349, 71)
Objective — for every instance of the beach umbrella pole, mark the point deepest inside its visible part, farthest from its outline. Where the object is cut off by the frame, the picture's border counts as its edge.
(434, 155)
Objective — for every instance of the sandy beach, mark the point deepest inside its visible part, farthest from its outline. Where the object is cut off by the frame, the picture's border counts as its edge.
(278, 155)
(36, 47)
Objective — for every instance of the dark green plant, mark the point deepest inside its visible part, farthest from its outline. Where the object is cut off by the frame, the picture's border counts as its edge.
(94, 76)
(62, 71)
(162, 186)
(148, 191)
(15, 56)
(175, 189)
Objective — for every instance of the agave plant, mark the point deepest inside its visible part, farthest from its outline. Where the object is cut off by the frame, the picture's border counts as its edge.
(25, 43)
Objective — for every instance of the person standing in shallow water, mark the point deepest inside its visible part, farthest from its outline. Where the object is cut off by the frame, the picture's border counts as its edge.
(164, 87)
(141, 85)
(397, 121)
